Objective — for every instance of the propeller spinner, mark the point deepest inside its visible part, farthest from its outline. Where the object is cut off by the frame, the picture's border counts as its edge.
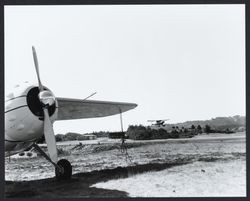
(46, 98)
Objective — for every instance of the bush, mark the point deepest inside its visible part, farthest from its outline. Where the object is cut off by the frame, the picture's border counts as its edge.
(146, 133)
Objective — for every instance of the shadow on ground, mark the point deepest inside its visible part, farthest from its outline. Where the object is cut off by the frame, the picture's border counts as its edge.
(79, 185)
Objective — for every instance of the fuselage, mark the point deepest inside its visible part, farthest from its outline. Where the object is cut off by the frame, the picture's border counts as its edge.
(24, 118)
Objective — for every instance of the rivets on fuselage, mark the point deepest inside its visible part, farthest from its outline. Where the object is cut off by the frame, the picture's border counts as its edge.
(10, 95)
(31, 132)
(12, 118)
(20, 127)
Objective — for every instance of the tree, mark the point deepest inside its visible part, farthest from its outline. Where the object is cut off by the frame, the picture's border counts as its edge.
(199, 129)
(207, 129)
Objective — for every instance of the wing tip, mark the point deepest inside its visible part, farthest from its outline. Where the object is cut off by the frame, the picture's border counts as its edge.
(131, 106)
(135, 105)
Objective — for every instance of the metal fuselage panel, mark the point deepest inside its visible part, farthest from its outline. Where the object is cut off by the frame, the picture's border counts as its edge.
(22, 126)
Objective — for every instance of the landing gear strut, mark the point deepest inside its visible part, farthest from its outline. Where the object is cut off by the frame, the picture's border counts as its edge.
(63, 168)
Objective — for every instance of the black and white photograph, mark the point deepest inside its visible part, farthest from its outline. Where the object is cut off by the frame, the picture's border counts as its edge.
(125, 101)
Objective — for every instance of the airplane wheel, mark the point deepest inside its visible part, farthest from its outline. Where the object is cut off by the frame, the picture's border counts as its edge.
(67, 170)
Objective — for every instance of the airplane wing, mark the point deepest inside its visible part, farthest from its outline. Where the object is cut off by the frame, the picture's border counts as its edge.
(78, 109)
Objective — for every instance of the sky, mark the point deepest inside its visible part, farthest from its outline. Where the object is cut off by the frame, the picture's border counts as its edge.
(177, 62)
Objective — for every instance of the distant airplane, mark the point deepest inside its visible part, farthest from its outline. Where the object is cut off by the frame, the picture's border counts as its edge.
(160, 122)
(31, 110)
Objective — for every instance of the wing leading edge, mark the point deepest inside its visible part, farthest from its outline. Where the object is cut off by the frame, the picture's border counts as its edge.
(79, 109)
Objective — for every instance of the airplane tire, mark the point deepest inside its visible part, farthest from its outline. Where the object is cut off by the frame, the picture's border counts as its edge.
(67, 170)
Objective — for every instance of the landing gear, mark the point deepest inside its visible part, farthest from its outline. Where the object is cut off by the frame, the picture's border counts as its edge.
(64, 170)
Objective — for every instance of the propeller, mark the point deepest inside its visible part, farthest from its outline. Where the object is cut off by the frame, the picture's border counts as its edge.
(47, 99)
(37, 68)
(49, 136)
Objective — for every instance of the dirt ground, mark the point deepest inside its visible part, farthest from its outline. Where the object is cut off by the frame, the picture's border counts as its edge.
(79, 185)
(34, 178)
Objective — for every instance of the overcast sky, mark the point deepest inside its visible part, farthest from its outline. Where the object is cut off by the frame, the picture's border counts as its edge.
(182, 62)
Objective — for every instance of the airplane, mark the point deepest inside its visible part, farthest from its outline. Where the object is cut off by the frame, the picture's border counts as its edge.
(160, 122)
(31, 110)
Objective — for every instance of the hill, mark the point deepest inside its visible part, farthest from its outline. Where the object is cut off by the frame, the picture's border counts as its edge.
(235, 123)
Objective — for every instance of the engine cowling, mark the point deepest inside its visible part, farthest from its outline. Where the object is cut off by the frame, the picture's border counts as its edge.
(24, 114)
(36, 100)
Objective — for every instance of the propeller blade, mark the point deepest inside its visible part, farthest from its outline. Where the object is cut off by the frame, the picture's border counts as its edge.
(37, 68)
(49, 136)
